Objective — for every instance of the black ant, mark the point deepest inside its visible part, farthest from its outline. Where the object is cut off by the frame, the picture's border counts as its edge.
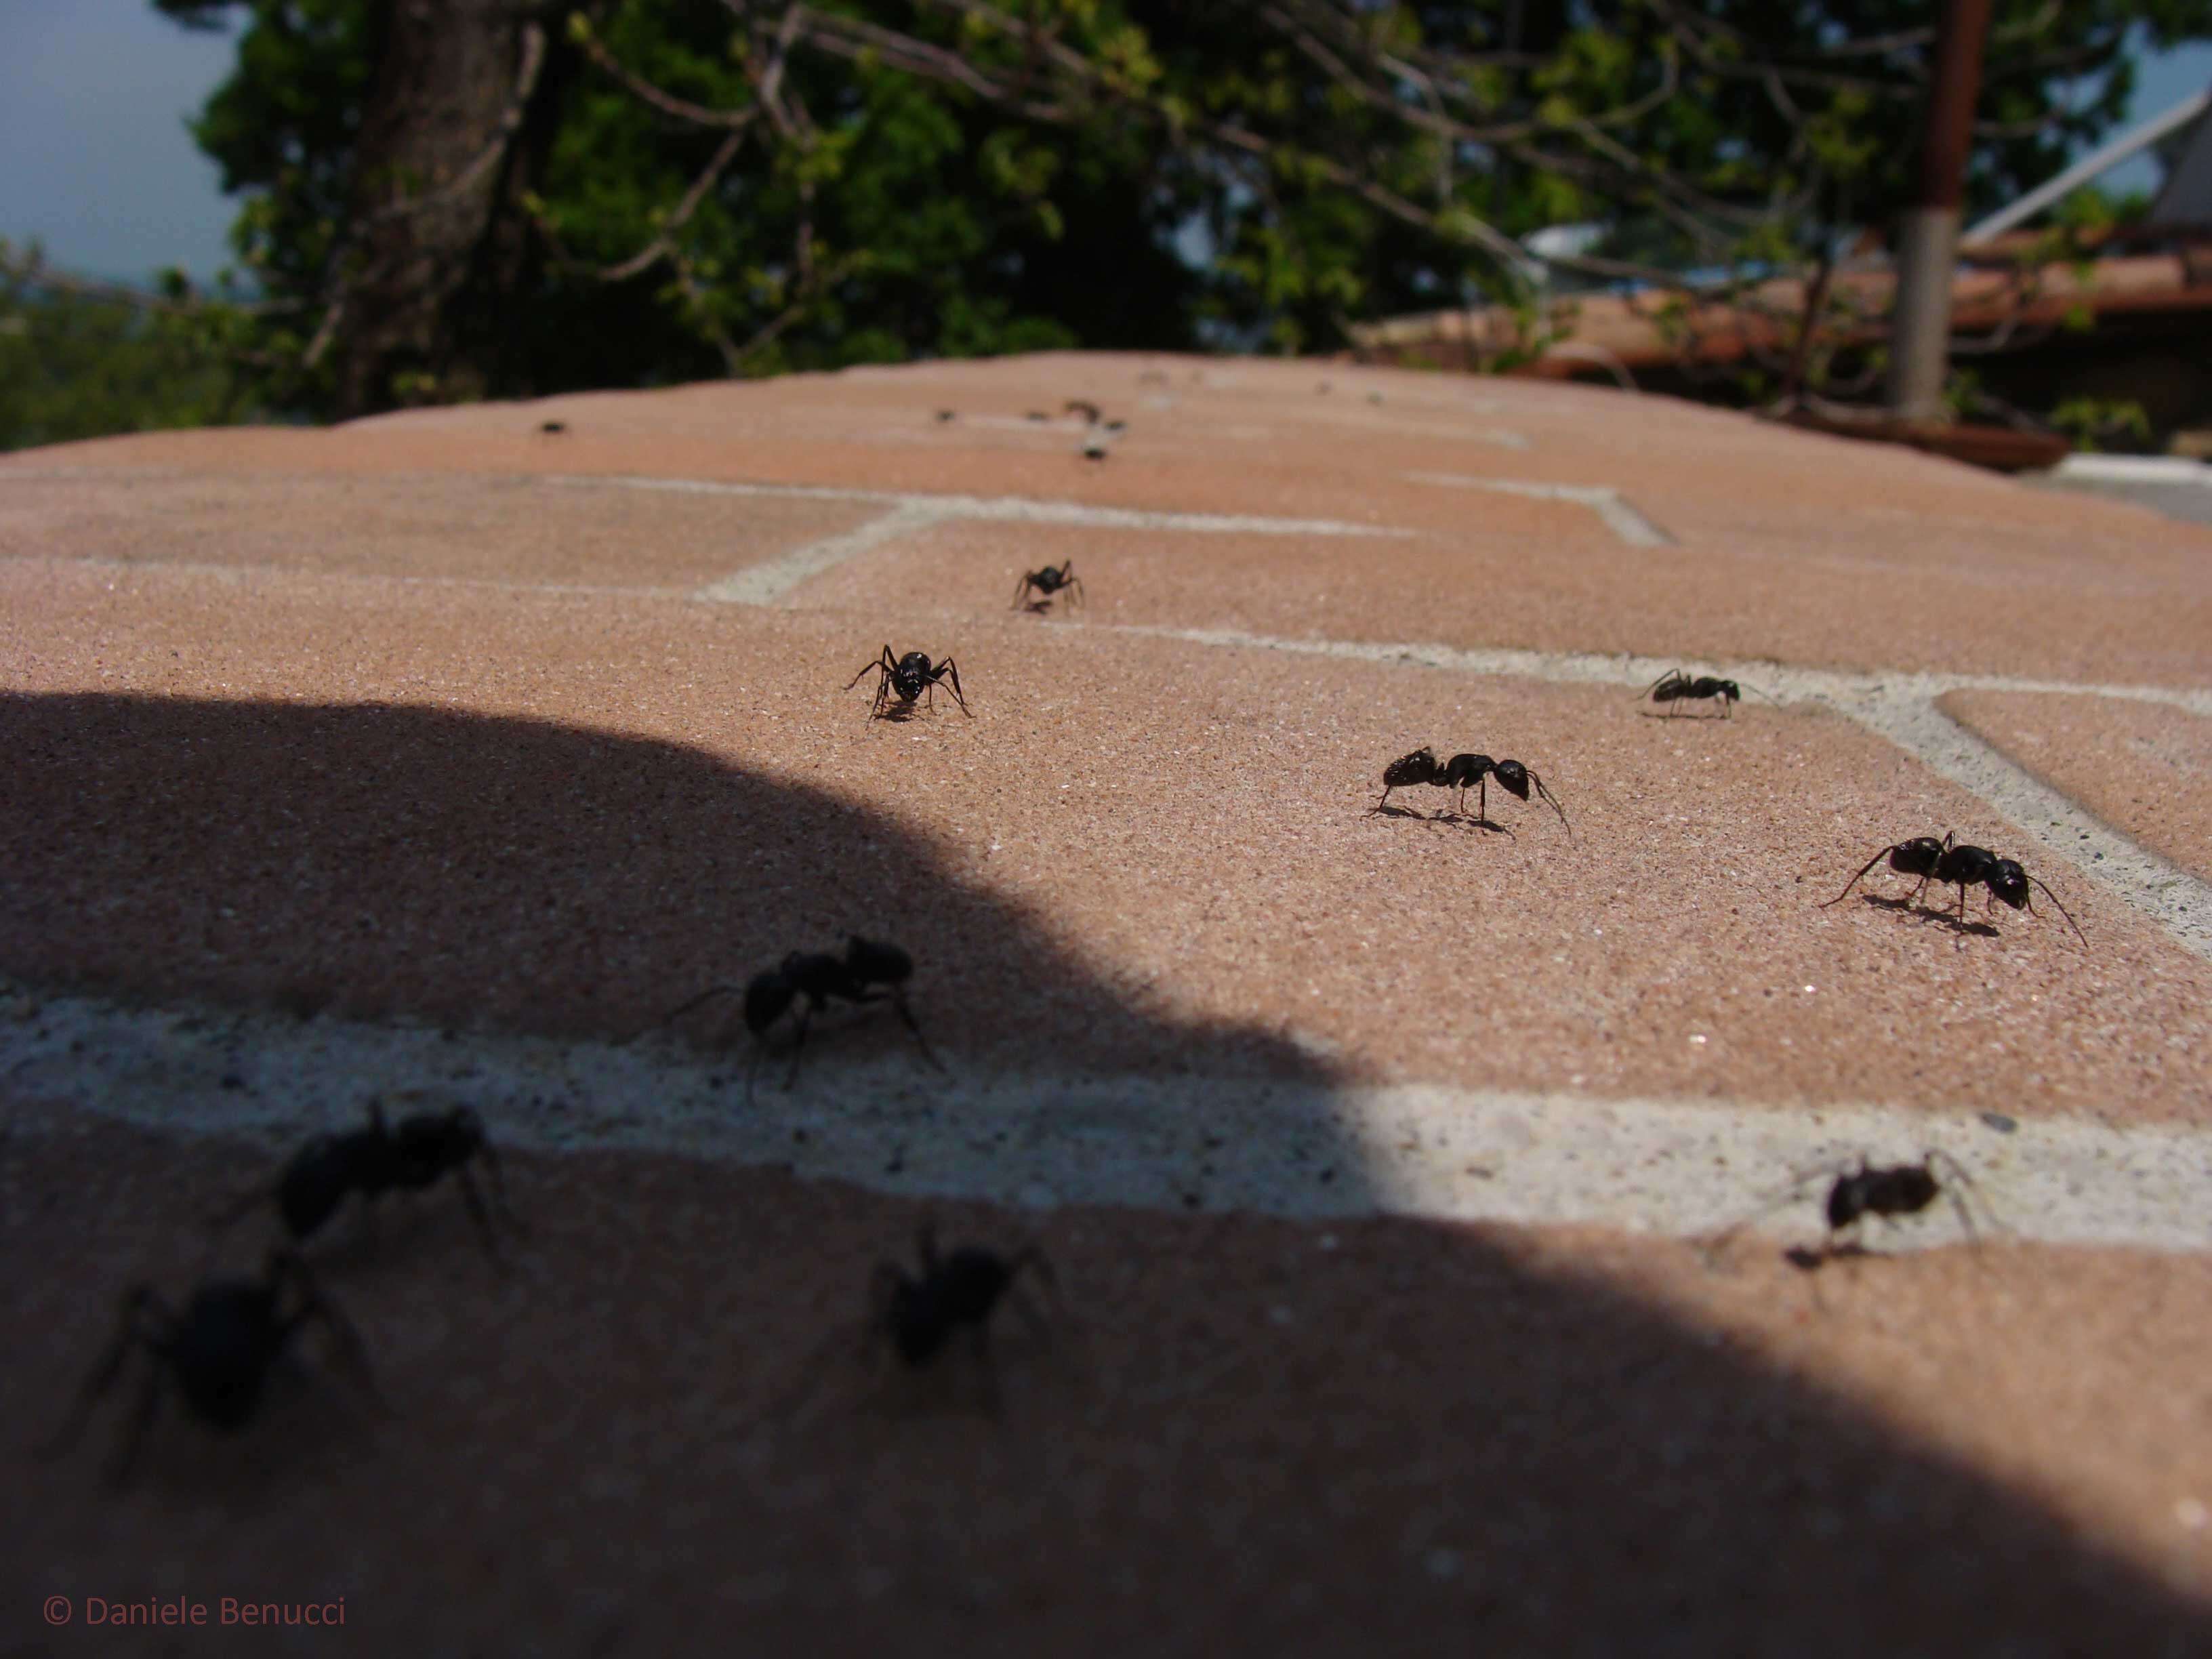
(1887, 1191)
(218, 1351)
(1092, 415)
(1676, 686)
(553, 427)
(818, 977)
(918, 1317)
(1048, 581)
(906, 678)
(1950, 862)
(1462, 772)
(378, 1158)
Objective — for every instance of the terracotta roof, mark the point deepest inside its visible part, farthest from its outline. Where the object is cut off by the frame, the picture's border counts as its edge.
(1650, 328)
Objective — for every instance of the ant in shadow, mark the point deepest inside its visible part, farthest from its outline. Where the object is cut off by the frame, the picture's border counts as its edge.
(818, 977)
(918, 1316)
(905, 678)
(1462, 772)
(219, 1352)
(376, 1159)
(1052, 580)
(1886, 1192)
(1952, 862)
(1676, 686)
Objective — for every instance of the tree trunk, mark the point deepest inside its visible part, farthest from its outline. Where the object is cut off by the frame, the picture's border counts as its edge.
(444, 154)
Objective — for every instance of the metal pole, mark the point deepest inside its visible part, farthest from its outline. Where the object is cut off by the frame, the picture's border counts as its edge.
(1928, 244)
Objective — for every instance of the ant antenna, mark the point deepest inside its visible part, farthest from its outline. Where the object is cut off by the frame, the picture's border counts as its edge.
(2063, 911)
(1555, 805)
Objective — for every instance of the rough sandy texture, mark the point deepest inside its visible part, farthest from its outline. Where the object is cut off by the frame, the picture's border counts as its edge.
(2145, 766)
(572, 813)
(1245, 1434)
(456, 747)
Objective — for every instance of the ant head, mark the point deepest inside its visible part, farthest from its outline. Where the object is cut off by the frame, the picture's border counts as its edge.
(1513, 777)
(2009, 882)
(1730, 690)
(464, 1127)
(878, 963)
(915, 662)
(1915, 1183)
(768, 995)
(1847, 1198)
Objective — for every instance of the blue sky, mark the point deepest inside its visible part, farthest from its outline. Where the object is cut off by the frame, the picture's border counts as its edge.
(98, 166)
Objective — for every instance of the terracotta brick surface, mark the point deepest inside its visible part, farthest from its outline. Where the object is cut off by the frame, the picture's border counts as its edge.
(660, 1432)
(2143, 767)
(441, 720)
(567, 812)
(438, 527)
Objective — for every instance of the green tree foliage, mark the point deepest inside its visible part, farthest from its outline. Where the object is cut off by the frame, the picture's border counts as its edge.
(79, 365)
(744, 186)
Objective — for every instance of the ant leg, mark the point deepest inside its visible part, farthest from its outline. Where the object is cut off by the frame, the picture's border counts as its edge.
(881, 665)
(797, 1045)
(898, 1002)
(496, 1177)
(711, 991)
(102, 1376)
(1031, 1257)
(228, 1217)
(985, 1371)
(126, 1456)
(946, 668)
(345, 1342)
(1964, 1183)
(1034, 1322)
(368, 1223)
(477, 1214)
(1854, 881)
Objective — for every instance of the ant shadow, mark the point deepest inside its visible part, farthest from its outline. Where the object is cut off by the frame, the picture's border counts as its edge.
(1928, 913)
(1465, 822)
(1446, 815)
(1550, 1451)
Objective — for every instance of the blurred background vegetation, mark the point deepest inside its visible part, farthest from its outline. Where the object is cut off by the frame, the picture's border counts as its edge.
(467, 198)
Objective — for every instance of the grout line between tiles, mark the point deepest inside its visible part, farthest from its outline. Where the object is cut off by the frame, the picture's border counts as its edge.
(1310, 1147)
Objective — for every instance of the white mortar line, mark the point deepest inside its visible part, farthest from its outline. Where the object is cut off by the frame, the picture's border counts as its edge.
(1040, 1139)
(1623, 668)
(1010, 508)
(1619, 515)
(1901, 709)
(769, 581)
(2177, 900)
